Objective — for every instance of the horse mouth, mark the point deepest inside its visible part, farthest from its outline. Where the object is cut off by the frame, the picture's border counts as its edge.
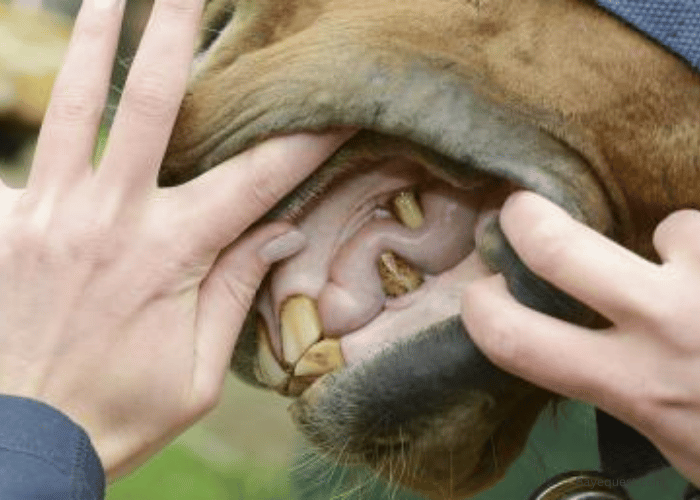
(362, 328)
(392, 244)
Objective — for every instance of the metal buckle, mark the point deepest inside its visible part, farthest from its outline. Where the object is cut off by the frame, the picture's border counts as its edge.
(581, 485)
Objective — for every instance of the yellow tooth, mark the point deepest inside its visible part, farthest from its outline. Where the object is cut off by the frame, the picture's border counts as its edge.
(298, 385)
(323, 357)
(398, 277)
(407, 209)
(300, 326)
(267, 369)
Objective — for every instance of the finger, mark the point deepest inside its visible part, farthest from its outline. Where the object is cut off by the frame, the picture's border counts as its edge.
(151, 97)
(564, 358)
(69, 131)
(677, 237)
(226, 296)
(8, 199)
(216, 207)
(576, 259)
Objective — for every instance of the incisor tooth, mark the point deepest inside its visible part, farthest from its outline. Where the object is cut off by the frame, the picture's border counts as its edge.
(300, 326)
(298, 385)
(398, 277)
(267, 369)
(321, 358)
(407, 209)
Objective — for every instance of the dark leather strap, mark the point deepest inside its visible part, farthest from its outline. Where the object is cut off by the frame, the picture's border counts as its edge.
(675, 24)
(691, 493)
(624, 453)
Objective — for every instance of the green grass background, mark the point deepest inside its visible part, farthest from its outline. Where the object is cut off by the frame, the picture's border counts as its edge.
(177, 473)
(556, 444)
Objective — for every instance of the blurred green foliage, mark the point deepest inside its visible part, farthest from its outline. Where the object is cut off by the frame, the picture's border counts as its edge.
(178, 474)
(557, 444)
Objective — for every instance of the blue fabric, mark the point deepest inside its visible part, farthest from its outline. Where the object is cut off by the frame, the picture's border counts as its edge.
(44, 455)
(675, 24)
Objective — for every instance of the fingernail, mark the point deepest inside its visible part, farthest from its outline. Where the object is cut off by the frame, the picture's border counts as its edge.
(283, 246)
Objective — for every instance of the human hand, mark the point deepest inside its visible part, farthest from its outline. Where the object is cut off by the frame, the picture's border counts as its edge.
(645, 368)
(118, 305)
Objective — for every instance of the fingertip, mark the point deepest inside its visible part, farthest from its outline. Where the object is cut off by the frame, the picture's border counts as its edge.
(524, 208)
(282, 246)
(520, 201)
(678, 234)
(516, 199)
(261, 247)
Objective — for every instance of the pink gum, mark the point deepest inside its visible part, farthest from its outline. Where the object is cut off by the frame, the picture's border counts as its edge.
(353, 294)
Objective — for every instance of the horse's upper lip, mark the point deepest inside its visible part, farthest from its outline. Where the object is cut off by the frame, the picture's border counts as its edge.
(394, 93)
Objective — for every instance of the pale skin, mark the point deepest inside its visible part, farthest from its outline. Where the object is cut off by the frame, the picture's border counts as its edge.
(645, 369)
(121, 301)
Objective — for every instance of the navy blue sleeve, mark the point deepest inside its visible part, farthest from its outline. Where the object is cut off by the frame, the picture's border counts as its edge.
(675, 24)
(44, 455)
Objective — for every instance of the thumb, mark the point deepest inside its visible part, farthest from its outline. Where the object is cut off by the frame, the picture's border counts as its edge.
(220, 204)
(226, 294)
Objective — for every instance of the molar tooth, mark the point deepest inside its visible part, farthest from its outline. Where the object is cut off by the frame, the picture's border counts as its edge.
(267, 369)
(321, 358)
(398, 277)
(300, 326)
(407, 209)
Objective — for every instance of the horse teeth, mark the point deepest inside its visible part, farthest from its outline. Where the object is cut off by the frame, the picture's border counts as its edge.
(398, 277)
(298, 385)
(267, 369)
(321, 358)
(300, 326)
(408, 210)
